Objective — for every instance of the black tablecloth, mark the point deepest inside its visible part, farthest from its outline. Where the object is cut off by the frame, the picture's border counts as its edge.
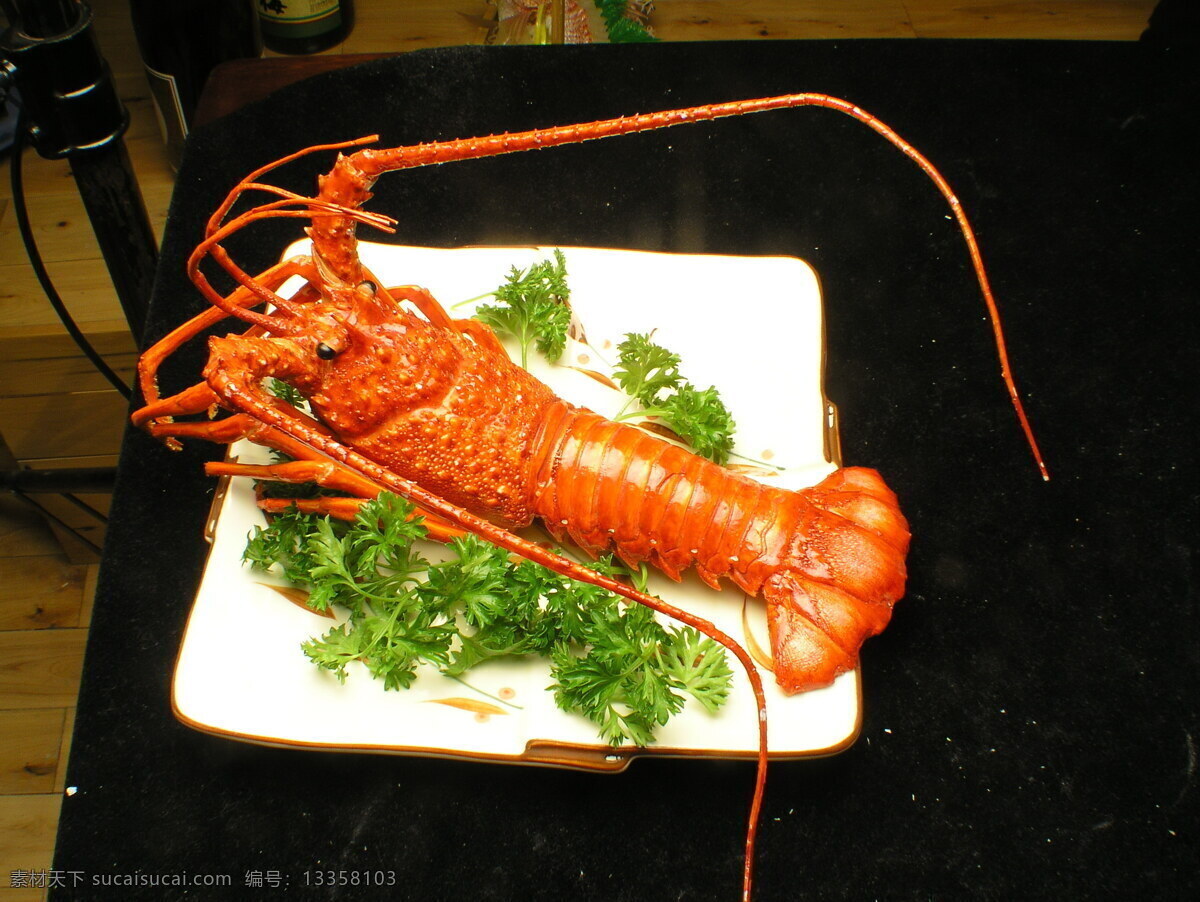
(1031, 714)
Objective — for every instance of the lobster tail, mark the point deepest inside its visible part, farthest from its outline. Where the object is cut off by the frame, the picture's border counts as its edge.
(843, 574)
(827, 560)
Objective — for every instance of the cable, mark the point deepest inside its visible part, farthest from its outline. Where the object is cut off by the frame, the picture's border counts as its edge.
(39, 267)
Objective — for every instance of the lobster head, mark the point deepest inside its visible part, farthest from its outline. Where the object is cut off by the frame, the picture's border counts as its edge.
(360, 356)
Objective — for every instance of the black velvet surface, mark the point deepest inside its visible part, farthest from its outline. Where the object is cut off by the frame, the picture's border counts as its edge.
(1031, 714)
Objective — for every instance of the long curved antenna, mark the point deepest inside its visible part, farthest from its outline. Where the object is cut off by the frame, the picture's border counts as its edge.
(349, 182)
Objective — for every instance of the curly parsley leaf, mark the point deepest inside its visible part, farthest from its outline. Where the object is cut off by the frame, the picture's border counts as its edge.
(335, 650)
(383, 536)
(399, 643)
(622, 26)
(474, 581)
(617, 681)
(645, 369)
(702, 419)
(697, 665)
(294, 544)
(595, 687)
(533, 308)
(650, 374)
(285, 392)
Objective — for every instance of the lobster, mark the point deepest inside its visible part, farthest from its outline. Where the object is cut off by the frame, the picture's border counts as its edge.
(408, 400)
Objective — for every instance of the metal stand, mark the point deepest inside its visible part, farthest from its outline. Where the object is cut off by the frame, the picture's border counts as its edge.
(72, 109)
(70, 106)
(68, 485)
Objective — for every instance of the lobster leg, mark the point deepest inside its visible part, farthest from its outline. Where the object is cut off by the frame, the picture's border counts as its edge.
(481, 334)
(324, 473)
(339, 508)
(308, 467)
(328, 475)
(433, 311)
(195, 399)
(157, 419)
(436, 529)
(423, 301)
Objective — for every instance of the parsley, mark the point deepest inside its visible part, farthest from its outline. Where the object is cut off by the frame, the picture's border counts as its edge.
(698, 666)
(645, 370)
(534, 308)
(621, 25)
(285, 392)
(649, 373)
(284, 542)
(615, 683)
(612, 662)
(702, 419)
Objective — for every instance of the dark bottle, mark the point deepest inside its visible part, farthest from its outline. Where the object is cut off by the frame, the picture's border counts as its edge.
(304, 26)
(181, 42)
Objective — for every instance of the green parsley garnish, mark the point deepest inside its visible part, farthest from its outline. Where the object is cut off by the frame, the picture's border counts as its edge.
(285, 392)
(611, 661)
(649, 373)
(621, 27)
(533, 308)
(535, 311)
(645, 370)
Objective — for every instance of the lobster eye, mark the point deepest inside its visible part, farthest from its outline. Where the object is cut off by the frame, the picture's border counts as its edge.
(368, 288)
(325, 352)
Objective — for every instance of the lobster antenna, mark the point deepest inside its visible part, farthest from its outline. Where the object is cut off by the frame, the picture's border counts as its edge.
(248, 181)
(379, 221)
(352, 176)
(279, 209)
(981, 275)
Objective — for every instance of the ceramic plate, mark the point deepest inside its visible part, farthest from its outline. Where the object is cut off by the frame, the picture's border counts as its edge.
(751, 326)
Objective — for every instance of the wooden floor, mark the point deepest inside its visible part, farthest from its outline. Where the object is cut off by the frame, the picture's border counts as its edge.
(45, 600)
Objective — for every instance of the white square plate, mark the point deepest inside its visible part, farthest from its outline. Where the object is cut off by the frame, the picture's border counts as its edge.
(751, 326)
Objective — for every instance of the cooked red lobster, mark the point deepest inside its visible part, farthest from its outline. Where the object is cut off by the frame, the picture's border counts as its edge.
(408, 400)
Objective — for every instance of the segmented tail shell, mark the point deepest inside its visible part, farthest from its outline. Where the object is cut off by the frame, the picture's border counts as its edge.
(828, 561)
